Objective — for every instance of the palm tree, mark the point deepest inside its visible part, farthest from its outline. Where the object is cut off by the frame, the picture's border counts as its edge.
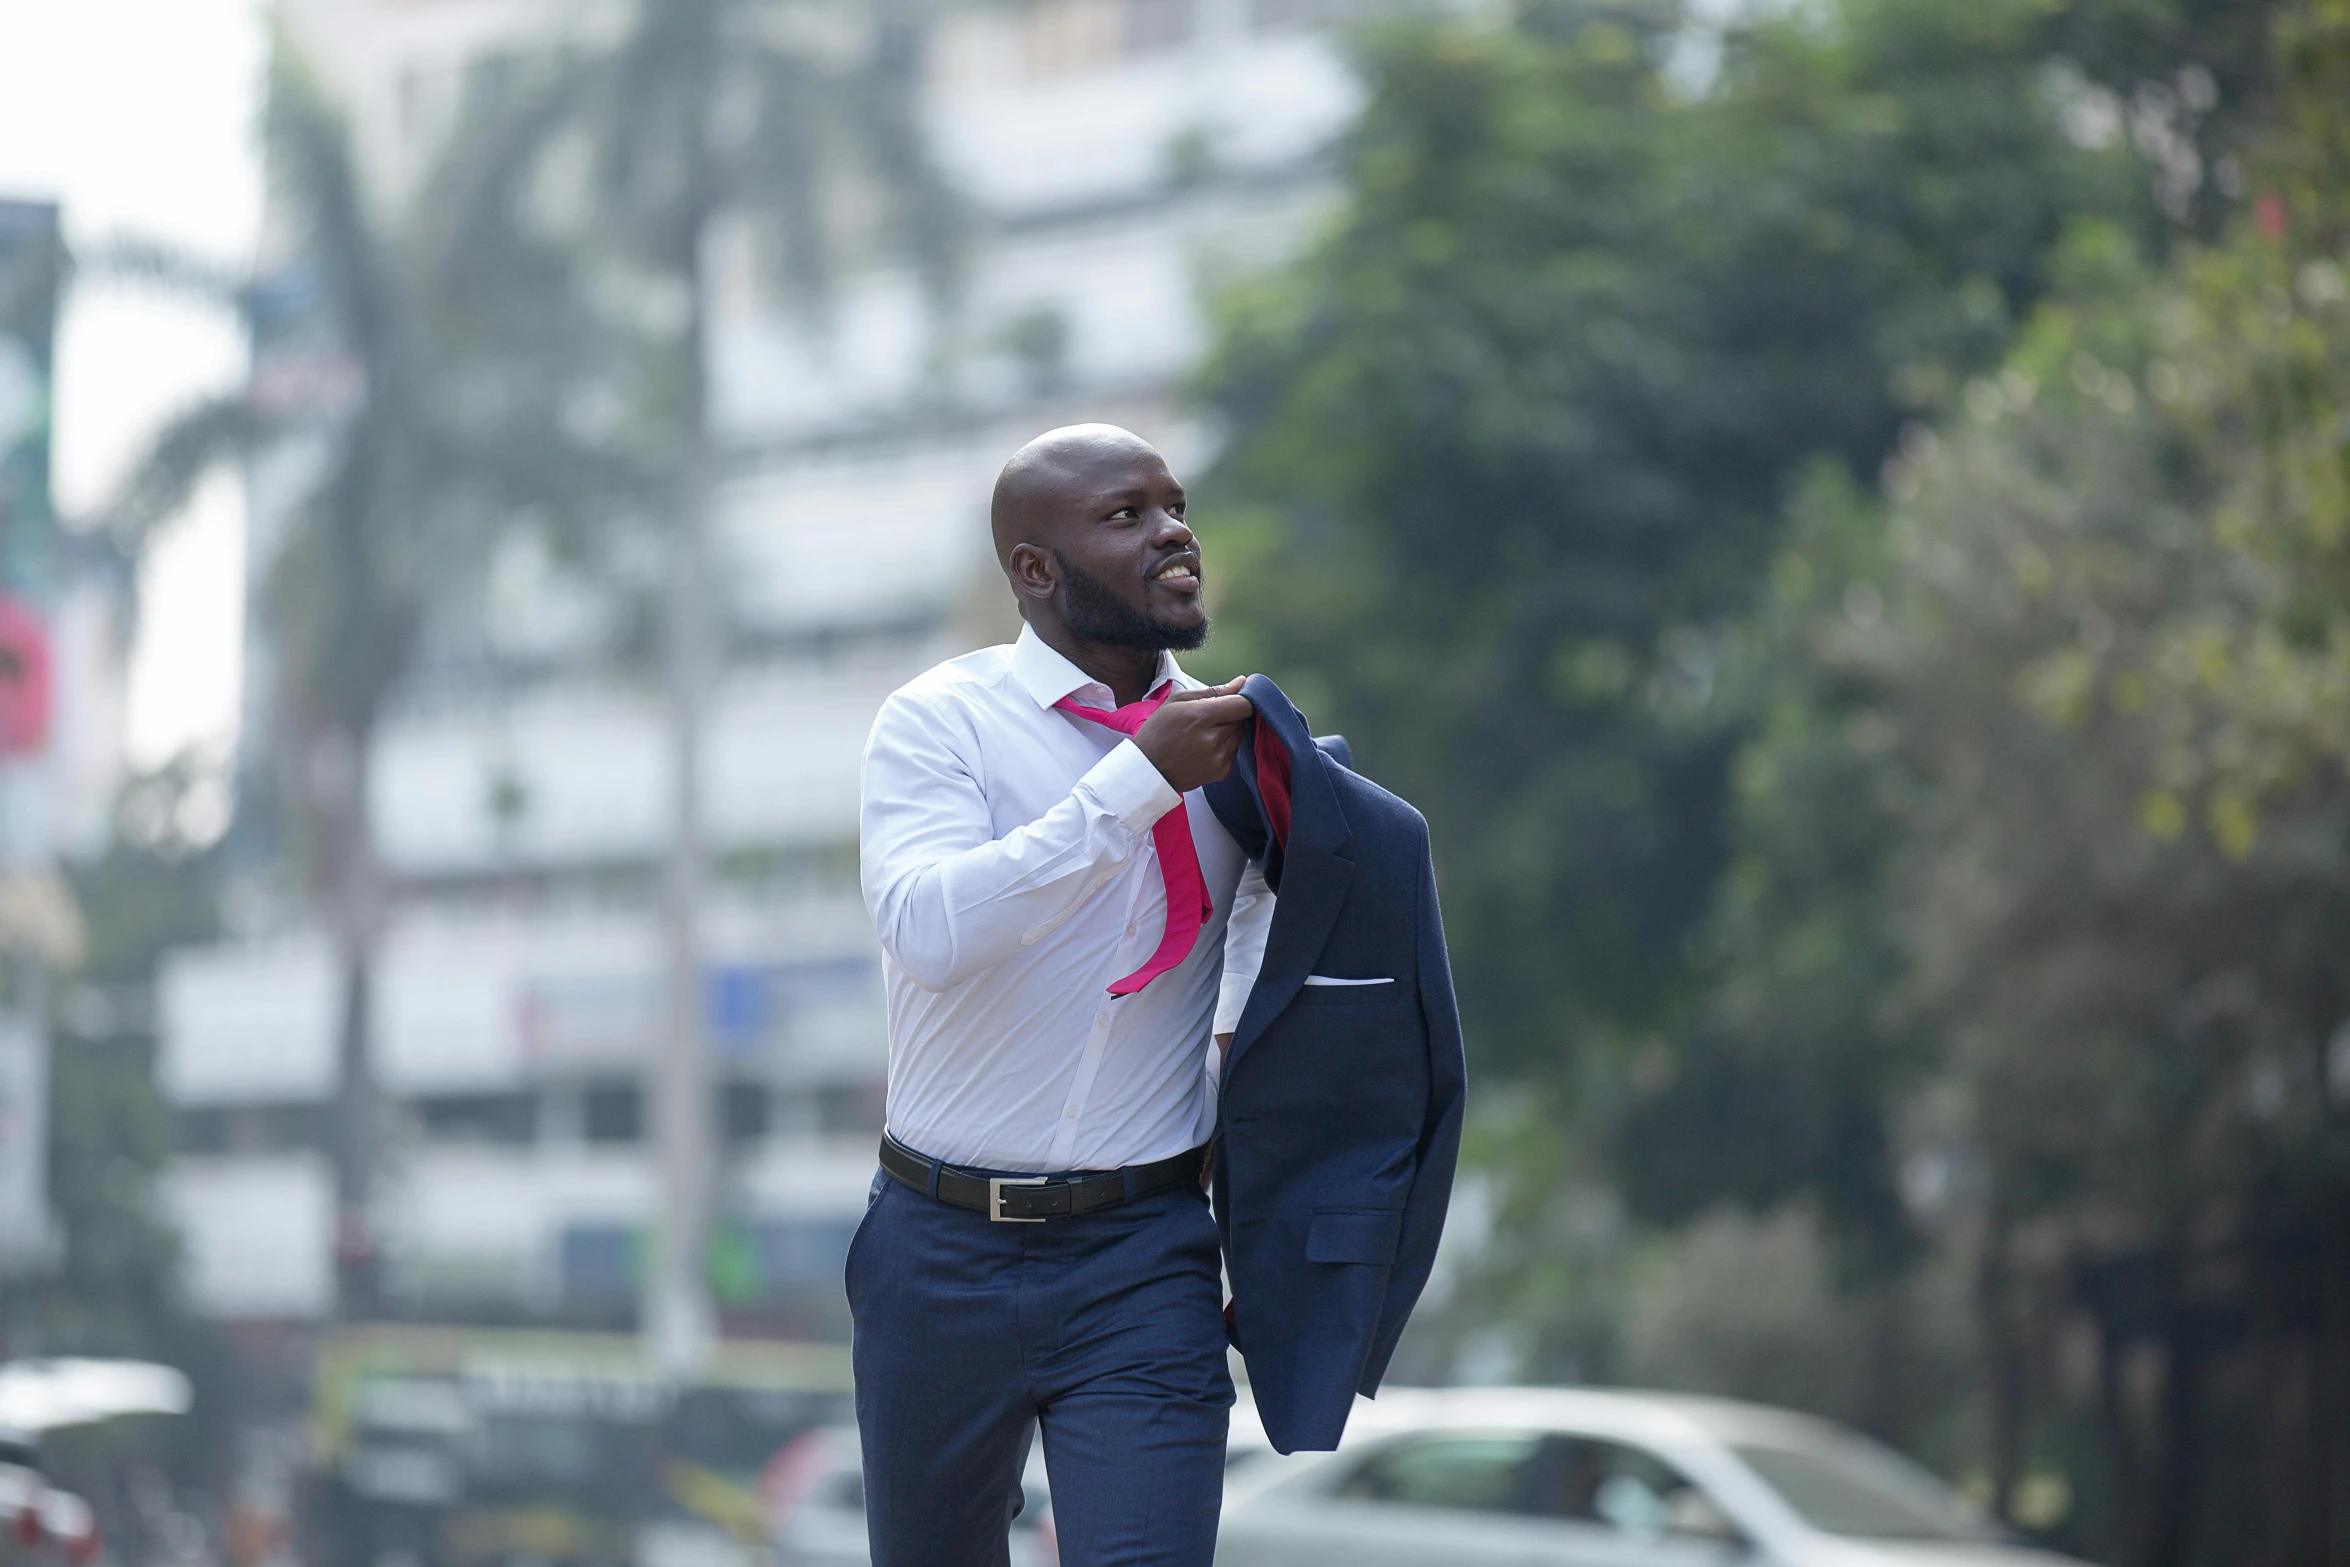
(704, 109)
(417, 380)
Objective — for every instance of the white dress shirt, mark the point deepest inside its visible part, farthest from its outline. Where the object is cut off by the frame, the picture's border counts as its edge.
(1008, 864)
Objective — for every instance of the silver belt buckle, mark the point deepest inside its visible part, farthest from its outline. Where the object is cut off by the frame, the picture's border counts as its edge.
(995, 1196)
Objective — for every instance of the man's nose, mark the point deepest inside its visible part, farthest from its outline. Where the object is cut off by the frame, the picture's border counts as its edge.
(1172, 532)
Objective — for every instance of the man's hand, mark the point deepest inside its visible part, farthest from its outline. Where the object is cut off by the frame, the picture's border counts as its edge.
(1194, 735)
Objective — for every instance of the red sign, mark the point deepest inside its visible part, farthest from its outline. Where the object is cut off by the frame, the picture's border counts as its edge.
(25, 680)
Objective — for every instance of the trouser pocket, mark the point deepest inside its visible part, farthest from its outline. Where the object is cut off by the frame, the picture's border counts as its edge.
(873, 1196)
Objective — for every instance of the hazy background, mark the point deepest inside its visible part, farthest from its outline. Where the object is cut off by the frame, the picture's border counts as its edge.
(1835, 511)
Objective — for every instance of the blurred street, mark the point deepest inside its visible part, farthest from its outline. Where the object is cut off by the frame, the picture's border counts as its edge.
(1837, 511)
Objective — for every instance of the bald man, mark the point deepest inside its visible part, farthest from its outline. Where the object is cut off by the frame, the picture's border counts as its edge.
(1066, 929)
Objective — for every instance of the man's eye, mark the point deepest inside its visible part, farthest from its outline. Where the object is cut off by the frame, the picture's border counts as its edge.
(1124, 513)
(1177, 510)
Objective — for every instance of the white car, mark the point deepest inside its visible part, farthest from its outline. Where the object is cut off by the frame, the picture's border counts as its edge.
(1535, 1477)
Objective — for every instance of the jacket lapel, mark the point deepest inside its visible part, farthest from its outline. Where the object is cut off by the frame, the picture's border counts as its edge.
(1315, 875)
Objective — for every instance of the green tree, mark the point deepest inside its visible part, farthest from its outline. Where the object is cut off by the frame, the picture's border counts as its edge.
(773, 114)
(2041, 870)
(1589, 477)
(1511, 446)
(421, 380)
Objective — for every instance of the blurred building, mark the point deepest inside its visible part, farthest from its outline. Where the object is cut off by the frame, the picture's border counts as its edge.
(1124, 155)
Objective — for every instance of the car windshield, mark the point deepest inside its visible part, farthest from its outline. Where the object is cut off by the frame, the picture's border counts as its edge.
(1863, 1493)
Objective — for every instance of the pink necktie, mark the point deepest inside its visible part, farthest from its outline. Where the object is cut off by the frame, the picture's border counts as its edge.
(1188, 906)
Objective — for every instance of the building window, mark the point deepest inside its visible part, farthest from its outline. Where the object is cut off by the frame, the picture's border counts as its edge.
(743, 1111)
(613, 1113)
(203, 1131)
(601, 1265)
(843, 1108)
(509, 1120)
(800, 1257)
(254, 1129)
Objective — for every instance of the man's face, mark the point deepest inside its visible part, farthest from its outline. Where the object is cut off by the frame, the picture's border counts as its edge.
(1129, 567)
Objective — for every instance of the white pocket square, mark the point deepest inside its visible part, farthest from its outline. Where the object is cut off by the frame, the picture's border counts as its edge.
(1327, 979)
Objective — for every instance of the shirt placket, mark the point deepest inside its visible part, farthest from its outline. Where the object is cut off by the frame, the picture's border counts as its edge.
(1142, 878)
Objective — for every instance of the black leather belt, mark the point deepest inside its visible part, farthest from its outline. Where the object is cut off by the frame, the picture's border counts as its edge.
(1032, 1199)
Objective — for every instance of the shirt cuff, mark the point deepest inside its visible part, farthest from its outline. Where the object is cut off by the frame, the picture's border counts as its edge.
(1130, 787)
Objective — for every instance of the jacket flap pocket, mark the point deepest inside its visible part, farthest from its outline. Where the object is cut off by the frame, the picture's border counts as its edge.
(1355, 1235)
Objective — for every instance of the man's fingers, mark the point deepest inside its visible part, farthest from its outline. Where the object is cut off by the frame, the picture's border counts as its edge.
(1205, 693)
(1215, 709)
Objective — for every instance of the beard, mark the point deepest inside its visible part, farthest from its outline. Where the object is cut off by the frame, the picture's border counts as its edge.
(1093, 612)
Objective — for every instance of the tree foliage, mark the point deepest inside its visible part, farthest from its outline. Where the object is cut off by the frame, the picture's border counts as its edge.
(1851, 562)
(416, 401)
(2089, 967)
(1512, 445)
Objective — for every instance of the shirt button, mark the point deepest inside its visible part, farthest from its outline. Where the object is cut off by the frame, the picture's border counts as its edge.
(1102, 1018)
(1069, 1114)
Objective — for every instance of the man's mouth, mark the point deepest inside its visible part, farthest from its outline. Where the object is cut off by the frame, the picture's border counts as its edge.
(1181, 572)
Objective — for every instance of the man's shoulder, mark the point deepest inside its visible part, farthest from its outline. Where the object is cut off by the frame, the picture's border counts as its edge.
(957, 681)
(1370, 809)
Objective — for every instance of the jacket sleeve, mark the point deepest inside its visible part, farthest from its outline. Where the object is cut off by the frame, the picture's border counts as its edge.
(1440, 1135)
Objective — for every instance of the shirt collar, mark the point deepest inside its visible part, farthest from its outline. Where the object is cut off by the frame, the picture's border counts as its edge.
(1048, 677)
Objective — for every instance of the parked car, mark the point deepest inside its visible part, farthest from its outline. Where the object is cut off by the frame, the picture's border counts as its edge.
(814, 1492)
(1535, 1477)
(40, 1524)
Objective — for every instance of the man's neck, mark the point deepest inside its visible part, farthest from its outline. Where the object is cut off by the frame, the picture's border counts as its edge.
(1129, 672)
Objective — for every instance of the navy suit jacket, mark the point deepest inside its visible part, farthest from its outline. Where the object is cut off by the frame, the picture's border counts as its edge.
(1339, 1115)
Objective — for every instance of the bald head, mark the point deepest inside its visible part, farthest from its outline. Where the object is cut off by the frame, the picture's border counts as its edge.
(1089, 529)
(1051, 483)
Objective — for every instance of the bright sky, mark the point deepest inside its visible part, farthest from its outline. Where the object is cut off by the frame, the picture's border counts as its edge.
(138, 116)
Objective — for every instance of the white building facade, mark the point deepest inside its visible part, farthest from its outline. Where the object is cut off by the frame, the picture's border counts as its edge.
(1124, 157)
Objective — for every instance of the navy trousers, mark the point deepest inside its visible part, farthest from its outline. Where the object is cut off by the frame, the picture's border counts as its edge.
(1104, 1331)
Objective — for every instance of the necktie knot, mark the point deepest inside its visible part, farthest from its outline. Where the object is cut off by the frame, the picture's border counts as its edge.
(1126, 720)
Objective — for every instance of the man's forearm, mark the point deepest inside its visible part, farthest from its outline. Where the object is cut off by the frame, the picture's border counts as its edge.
(950, 902)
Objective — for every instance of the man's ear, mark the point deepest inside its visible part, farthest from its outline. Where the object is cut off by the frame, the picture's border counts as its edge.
(1034, 572)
